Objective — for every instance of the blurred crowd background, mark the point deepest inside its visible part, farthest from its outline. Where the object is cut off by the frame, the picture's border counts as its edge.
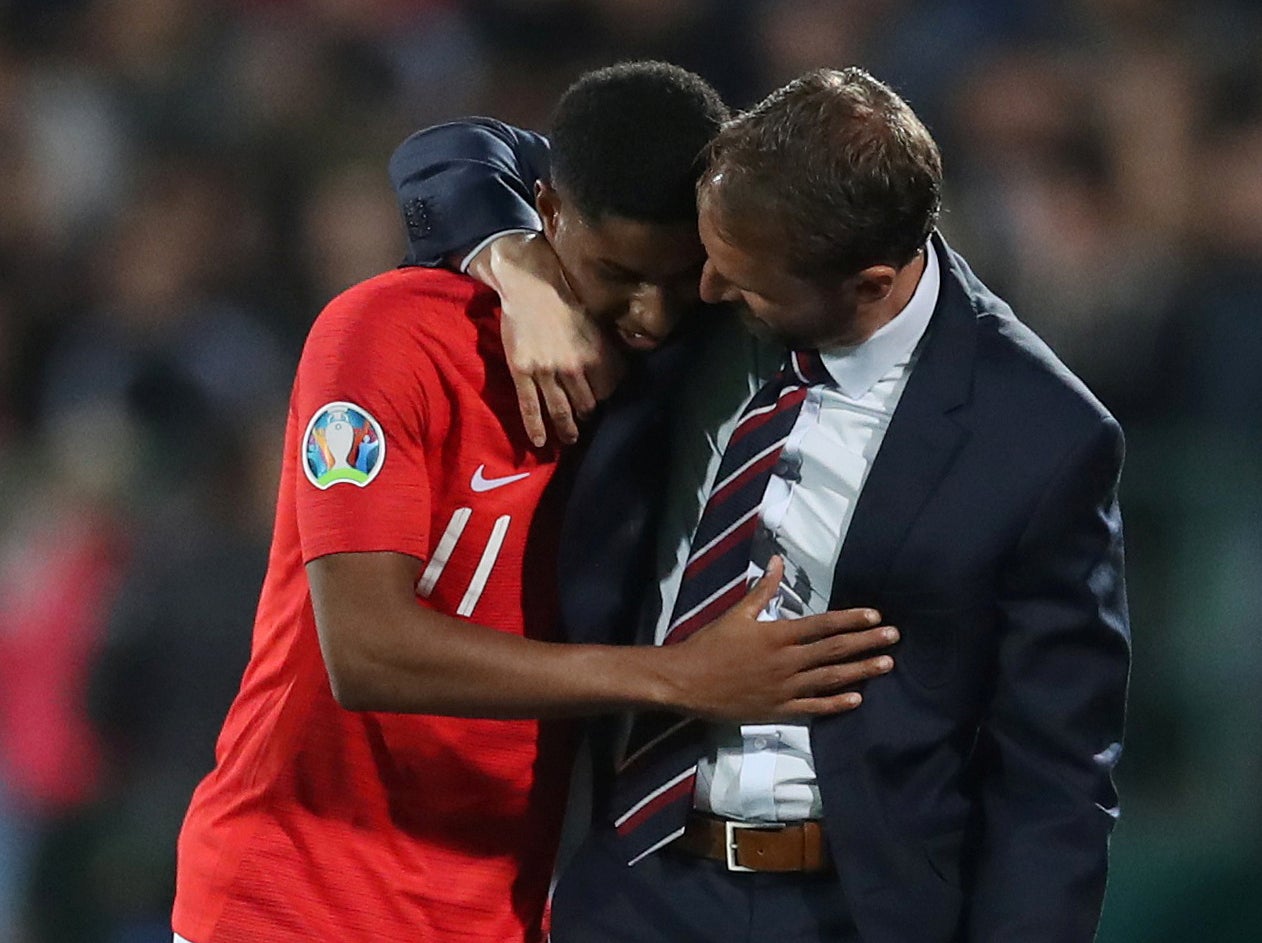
(184, 183)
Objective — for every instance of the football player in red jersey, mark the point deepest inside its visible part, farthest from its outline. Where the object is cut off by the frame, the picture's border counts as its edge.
(383, 774)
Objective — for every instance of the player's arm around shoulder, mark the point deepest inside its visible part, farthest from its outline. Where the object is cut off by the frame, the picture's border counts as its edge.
(460, 182)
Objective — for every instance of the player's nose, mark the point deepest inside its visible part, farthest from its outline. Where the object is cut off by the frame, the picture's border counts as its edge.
(651, 313)
(653, 309)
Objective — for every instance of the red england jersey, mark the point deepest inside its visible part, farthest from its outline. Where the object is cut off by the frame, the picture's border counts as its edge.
(319, 823)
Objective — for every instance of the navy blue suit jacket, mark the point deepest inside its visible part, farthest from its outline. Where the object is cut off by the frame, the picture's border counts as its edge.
(970, 797)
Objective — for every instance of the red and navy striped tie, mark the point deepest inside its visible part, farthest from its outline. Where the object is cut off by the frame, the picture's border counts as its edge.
(653, 791)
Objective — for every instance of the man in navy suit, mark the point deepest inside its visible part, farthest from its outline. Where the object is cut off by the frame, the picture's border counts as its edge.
(943, 467)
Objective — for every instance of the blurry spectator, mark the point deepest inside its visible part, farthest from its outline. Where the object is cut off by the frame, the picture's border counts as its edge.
(169, 662)
(8, 386)
(350, 230)
(540, 46)
(159, 59)
(76, 154)
(1210, 490)
(711, 37)
(162, 345)
(62, 556)
(1041, 199)
(1223, 326)
(797, 37)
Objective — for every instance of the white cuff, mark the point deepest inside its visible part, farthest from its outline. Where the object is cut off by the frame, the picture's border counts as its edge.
(464, 263)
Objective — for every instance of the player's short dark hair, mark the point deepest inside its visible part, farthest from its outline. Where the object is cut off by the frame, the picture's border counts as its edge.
(629, 140)
(833, 172)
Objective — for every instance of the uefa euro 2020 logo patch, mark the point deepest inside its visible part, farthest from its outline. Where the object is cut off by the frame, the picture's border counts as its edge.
(343, 444)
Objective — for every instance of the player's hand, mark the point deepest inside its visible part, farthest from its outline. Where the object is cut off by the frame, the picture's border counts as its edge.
(562, 364)
(739, 669)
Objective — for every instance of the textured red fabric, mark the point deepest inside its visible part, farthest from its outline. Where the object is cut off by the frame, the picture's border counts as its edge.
(324, 824)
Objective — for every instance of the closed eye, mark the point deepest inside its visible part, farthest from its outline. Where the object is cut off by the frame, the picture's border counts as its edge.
(619, 274)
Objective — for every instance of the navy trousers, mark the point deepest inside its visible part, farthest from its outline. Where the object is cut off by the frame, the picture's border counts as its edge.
(670, 897)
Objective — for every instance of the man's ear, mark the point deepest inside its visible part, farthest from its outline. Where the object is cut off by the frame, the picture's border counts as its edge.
(874, 283)
(548, 204)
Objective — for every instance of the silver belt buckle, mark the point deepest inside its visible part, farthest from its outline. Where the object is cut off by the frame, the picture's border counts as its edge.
(729, 839)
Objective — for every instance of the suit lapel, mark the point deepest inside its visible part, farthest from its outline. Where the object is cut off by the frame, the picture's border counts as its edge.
(919, 445)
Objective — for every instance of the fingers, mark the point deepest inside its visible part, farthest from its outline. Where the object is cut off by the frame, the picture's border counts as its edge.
(765, 589)
(812, 628)
(835, 678)
(848, 646)
(580, 393)
(530, 390)
(823, 689)
(559, 410)
(528, 406)
(823, 706)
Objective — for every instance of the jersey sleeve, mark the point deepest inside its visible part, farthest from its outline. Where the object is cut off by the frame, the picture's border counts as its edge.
(359, 400)
(459, 183)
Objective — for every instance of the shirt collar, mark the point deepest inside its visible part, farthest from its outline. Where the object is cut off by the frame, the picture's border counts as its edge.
(857, 368)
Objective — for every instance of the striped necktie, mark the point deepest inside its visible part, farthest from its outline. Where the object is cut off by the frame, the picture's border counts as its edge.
(653, 790)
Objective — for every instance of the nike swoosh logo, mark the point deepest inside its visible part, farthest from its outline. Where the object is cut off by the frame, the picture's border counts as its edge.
(482, 483)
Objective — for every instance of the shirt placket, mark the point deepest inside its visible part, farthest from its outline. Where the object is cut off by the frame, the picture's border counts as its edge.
(760, 743)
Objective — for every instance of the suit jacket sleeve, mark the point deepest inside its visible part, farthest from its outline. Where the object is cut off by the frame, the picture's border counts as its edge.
(460, 183)
(1054, 730)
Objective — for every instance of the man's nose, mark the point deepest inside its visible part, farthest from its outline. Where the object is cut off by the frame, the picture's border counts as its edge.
(714, 287)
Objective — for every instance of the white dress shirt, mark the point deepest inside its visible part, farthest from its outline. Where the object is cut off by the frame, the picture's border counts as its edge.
(765, 772)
